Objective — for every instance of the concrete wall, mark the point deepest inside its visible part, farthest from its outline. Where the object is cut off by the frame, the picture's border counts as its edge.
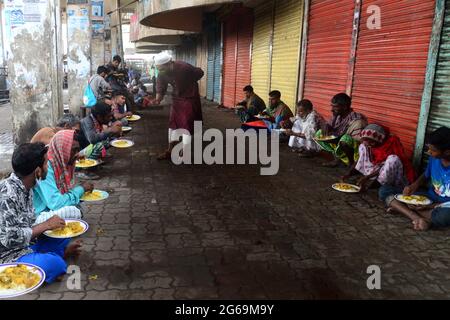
(34, 63)
(79, 54)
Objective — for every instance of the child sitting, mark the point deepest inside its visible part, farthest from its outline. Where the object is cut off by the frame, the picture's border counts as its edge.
(438, 175)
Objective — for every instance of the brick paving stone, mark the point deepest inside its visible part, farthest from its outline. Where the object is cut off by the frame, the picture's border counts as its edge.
(163, 294)
(215, 232)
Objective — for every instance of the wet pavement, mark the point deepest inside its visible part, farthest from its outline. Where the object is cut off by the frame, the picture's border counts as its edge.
(226, 232)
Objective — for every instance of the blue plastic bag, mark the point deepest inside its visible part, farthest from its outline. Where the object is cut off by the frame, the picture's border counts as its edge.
(89, 99)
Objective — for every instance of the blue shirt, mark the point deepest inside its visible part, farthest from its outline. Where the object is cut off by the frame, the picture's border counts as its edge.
(47, 196)
(439, 180)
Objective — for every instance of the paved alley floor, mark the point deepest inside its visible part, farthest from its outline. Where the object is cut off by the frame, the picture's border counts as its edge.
(226, 232)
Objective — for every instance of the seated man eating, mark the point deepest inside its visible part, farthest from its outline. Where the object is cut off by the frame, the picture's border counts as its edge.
(250, 106)
(94, 138)
(381, 159)
(278, 112)
(20, 237)
(57, 193)
(275, 116)
(437, 174)
(305, 126)
(346, 126)
(119, 109)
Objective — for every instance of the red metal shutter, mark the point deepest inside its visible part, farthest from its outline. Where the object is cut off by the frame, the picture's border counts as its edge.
(230, 32)
(245, 36)
(391, 64)
(328, 51)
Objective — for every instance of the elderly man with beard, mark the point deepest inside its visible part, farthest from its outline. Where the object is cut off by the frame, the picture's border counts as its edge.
(346, 125)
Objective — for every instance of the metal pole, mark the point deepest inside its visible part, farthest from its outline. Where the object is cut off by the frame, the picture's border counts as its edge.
(429, 80)
(120, 49)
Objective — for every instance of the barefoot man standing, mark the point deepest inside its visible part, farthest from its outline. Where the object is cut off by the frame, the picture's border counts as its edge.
(186, 106)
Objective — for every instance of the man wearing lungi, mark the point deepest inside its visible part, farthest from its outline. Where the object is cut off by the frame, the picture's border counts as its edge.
(186, 106)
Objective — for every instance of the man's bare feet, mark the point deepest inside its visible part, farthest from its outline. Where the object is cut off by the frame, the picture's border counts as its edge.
(73, 249)
(421, 224)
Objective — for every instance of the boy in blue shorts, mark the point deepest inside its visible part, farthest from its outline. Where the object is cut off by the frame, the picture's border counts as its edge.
(437, 174)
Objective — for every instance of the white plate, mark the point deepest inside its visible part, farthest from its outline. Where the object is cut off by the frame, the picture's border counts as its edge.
(129, 143)
(401, 198)
(94, 163)
(134, 117)
(105, 195)
(334, 186)
(126, 129)
(83, 224)
(4, 294)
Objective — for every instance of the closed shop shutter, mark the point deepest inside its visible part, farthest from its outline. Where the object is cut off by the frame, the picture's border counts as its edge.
(286, 49)
(391, 64)
(244, 47)
(188, 51)
(210, 63)
(202, 52)
(214, 61)
(440, 100)
(218, 63)
(262, 33)
(237, 41)
(230, 34)
(330, 25)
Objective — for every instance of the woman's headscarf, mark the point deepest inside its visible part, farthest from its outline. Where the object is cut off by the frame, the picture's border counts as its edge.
(59, 156)
(387, 145)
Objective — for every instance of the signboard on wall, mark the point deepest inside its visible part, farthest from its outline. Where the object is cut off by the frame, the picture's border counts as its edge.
(98, 29)
(97, 10)
(78, 19)
(134, 28)
(19, 14)
(78, 23)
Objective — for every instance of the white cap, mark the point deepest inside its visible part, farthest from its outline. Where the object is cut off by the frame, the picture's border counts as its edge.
(162, 58)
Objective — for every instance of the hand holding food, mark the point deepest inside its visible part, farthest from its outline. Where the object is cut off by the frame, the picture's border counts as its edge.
(116, 128)
(55, 222)
(72, 228)
(87, 186)
(409, 190)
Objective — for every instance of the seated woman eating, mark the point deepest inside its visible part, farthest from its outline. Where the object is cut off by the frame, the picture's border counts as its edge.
(381, 159)
(57, 194)
(437, 174)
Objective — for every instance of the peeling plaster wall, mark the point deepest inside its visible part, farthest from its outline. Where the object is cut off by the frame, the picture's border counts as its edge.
(78, 55)
(114, 41)
(33, 62)
(98, 54)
